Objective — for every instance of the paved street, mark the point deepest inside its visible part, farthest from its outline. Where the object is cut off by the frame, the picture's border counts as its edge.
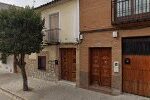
(45, 90)
(4, 97)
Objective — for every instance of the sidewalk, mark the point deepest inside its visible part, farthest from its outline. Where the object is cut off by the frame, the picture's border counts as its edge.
(4, 97)
(11, 84)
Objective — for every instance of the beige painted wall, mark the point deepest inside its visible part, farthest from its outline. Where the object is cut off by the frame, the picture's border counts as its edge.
(68, 20)
(69, 25)
(69, 33)
(52, 52)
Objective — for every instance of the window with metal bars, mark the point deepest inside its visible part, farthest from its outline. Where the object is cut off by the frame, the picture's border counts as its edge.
(130, 7)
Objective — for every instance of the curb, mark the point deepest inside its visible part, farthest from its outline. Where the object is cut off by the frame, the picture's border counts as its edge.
(12, 95)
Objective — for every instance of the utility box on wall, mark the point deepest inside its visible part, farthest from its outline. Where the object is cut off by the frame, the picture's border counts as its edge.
(116, 66)
(115, 34)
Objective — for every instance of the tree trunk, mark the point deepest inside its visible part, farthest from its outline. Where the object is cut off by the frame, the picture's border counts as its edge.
(25, 80)
(21, 63)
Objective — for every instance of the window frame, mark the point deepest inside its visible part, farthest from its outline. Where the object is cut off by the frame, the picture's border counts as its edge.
(40, 63)
(54, 13)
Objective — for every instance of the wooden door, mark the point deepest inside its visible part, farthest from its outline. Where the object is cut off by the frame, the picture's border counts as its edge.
(68, 64)
(100, 67)
(136, 66)
(136, 75)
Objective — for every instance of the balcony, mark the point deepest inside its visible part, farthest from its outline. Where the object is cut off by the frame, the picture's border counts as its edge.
(127, 13)
(51, 36)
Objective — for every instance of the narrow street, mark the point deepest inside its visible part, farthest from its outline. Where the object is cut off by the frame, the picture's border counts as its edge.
(4, 97)
(46, 90)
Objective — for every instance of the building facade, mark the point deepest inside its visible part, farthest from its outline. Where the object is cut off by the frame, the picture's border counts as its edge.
(114, 53)
(59, 58)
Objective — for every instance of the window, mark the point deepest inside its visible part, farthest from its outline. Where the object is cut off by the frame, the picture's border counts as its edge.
(141, 6)
(42, 62)
(53, 32)
(129, 7)
(54, 21)
(123, 8)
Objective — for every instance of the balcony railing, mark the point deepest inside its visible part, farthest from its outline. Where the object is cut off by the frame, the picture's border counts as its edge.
(130, 11)
(51, 36)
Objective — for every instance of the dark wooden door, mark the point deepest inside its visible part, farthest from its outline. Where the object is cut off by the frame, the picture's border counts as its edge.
(136, 66)
(68, 64)
(100, 67)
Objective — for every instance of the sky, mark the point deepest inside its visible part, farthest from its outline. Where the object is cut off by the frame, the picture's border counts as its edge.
(24, 3)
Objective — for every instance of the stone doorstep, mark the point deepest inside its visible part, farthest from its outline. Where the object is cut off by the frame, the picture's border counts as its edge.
(10, 94)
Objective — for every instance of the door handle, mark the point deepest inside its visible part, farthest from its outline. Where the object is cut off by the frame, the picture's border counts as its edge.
(127, 61)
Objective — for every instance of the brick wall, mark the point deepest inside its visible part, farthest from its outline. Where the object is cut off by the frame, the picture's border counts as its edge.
(94, 15)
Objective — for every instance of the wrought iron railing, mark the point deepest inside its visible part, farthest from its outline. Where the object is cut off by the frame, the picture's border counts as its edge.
(52, 36)
(124, 11)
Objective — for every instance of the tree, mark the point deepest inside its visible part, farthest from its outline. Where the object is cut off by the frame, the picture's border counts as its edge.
(20, 34)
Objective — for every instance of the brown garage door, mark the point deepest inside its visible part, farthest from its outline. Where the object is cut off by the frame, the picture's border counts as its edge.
(136, 66)
(100, 67)
(68, 64)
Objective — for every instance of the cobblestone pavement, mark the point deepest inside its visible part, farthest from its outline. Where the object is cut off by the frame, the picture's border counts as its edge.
(45, 90)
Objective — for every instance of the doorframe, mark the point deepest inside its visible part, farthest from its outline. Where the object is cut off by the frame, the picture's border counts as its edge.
(122, 63)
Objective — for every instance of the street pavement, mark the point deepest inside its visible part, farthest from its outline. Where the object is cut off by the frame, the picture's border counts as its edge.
(46, 90)
(4, 97)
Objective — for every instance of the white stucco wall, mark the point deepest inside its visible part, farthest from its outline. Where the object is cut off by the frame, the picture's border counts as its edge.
(68, 20)
(9, 66)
